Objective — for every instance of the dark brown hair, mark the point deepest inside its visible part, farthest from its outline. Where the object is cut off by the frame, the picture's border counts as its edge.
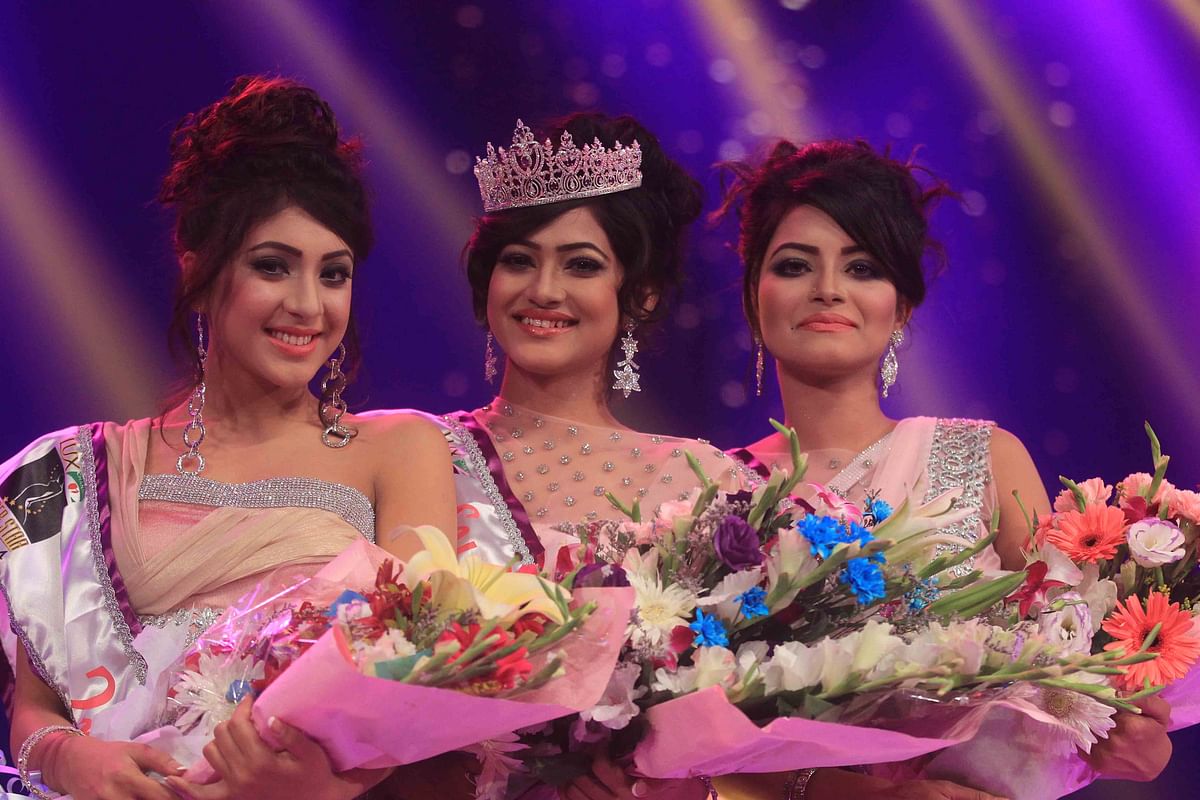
(874, 198)
(646, 226)
(268, 144)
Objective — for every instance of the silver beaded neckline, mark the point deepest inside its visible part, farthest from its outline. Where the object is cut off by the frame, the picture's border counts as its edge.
(347, 502)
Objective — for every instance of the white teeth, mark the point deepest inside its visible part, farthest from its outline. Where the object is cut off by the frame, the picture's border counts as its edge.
(287, 338)
(544, 323)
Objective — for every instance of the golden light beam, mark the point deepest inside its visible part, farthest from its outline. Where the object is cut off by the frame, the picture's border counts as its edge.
(1189, 12)
(1133, 311)
(736, 31)
(393, 139)
(73, 286)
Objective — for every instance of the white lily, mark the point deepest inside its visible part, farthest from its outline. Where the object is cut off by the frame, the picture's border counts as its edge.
(460, 585)
(913, 527)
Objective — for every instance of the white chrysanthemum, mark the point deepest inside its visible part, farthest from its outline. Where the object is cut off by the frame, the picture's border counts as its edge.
(393, 644)
(659, 608)
(201, 693)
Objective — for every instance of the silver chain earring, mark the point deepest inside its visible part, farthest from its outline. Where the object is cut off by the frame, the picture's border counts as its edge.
(626, 372)
(489, 359)
(333, 407)
(891, 366)
(193, 432)
(758, 366)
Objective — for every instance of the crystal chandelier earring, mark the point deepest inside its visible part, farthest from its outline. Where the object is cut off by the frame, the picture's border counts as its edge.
(192, 462)
(758, 366)
(332, 406)
(891, 366)
(626, 372)
(489, 359)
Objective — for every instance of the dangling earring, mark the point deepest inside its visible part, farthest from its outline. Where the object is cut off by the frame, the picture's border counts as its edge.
(489, 359)
(626, 372)
(758, 366)
(332, 406)
(193, 432)
(891, 366)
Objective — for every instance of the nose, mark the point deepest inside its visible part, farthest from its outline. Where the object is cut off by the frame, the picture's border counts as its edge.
(547, 290)
(303, 299)
(827, 286)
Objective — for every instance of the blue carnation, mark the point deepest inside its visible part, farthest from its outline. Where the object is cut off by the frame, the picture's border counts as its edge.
(823, 533)
(865, 579)
(858, 533)
(879, 510)
(752, 602)
(709, 631)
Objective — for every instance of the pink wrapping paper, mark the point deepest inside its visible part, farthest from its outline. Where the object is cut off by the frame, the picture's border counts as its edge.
(363, 721)
(704, 734)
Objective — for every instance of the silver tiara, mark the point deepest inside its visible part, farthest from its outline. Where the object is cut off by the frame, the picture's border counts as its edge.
(533, 174)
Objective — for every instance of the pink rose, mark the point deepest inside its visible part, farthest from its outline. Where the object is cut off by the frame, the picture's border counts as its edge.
(1154, 542)
(1095, 492)
(1185, 504)
(1134, 484)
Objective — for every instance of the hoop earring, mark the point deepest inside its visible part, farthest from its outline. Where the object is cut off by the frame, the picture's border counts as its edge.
(891, 366)
(194, 432)
(489, 359)
(626, 372)
(332, 406)
(758, 366)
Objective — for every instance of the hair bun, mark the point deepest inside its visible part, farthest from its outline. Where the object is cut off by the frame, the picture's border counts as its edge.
(259, 117)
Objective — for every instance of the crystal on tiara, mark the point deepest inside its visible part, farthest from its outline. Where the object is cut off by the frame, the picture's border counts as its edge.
(532, 174)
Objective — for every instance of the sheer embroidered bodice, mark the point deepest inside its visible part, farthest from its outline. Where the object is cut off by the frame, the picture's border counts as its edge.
(561, 470)
(520, 473)
(185, 542)
(924, 456)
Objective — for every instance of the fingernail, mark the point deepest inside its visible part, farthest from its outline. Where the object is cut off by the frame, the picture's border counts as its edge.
(274, 724)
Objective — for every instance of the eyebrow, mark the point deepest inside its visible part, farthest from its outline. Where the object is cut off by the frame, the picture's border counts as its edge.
(287, 248)
(564, 248)
(813, 250)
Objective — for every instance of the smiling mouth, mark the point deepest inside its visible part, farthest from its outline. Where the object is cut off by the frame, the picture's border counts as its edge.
(288, 338)
(547, 324)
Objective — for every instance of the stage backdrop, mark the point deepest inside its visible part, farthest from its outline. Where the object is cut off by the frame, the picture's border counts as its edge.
(1068, 311)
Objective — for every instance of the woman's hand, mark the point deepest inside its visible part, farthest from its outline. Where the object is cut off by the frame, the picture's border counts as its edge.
(609, 781)
(835, 784)
(247, 767)
(93, 769)
(1138, 749)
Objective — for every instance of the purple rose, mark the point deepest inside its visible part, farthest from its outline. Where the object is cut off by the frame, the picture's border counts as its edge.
(737, 544)
(600, 574)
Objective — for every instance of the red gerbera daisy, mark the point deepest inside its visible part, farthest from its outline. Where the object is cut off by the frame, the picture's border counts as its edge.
(1090, 535)
(1177, 644)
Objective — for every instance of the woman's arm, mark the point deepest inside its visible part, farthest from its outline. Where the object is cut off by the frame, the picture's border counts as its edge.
(414, 478)
(86, 768)
(1014, 471)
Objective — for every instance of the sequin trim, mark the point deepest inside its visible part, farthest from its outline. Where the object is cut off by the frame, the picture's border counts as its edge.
(199, 620)
(479, 468)
(960, 456)
(92, 508)
(348, 503)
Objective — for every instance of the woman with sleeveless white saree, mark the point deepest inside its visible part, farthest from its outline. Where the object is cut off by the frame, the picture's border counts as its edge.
(158, 524)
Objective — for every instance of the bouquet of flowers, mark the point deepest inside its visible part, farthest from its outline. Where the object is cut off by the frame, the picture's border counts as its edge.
(1110, 570)
(369, 644)
(754, 616)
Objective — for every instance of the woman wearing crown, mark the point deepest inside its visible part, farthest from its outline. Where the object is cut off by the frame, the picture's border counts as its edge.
(574, 257)
(157, 524)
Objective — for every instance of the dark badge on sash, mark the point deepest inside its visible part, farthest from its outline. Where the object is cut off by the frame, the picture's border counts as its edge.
(32, 501)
